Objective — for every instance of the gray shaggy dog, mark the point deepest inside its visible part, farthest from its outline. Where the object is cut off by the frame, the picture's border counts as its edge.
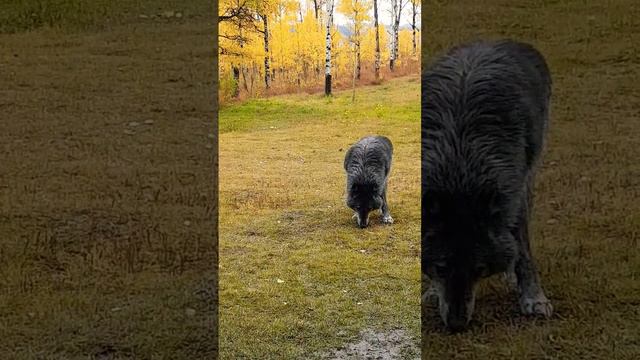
(368, 163)
(485, 109)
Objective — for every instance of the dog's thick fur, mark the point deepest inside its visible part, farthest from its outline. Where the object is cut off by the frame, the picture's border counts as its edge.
(367, 164)
(485, 110)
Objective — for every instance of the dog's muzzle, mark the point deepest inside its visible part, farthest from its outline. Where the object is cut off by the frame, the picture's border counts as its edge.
(363, 220)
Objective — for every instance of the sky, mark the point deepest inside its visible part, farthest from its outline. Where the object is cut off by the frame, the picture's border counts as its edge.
(384, 13)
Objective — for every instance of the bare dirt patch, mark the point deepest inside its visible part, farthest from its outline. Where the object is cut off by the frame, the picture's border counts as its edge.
(379, 345)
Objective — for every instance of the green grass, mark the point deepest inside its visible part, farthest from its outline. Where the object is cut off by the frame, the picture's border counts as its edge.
(289, 110)
(586, 218)
(283, 218)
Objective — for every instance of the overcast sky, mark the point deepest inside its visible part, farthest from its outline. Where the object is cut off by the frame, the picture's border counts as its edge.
(384, 13)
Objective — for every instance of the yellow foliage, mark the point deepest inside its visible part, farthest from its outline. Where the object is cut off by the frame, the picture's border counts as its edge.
(368, 46)
(296, 51)
(405, 43)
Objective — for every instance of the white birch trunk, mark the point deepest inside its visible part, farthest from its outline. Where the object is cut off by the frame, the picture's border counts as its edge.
(327, 63)
(377, 61)
(267, 55)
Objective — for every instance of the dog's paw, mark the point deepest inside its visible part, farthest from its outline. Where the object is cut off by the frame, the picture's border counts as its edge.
(537, 305)
(387, 219)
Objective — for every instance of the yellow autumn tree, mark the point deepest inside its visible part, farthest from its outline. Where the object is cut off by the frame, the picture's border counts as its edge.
(405, 48)
(368, 47)
(357, 11)
(340, 56)
(280, 44)
(308, 43)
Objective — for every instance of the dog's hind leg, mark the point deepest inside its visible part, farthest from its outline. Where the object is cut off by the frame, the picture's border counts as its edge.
(533, 301)
(386, 216)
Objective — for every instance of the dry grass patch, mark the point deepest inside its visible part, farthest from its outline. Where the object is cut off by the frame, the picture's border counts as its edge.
(106, 236)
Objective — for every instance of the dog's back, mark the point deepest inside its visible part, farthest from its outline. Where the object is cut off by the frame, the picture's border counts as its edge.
(484, 114)
(369, 158)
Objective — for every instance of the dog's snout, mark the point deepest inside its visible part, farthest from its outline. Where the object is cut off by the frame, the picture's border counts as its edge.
(456, 323)
(362, 218)
(459, 306)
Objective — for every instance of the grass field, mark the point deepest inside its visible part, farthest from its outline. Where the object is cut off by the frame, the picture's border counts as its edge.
(71, 16)
(587, 218)
(298, 279)
(106, 184)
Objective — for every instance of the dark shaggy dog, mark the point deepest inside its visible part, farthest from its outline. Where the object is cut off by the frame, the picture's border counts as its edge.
(368, 164)
(484, 116)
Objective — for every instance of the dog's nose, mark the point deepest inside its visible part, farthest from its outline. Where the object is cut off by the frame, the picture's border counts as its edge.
(456, 324)
(362, 225)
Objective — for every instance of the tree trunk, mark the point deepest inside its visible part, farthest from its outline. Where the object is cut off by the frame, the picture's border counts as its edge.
(327, 64)
(392, 50)
(236, 81)
(358, 64)
(243, 69)
(392, 55)
(300, 11)
(355, 73)
(396, 13)
(414, 8)
(267, 66)
(396, 41)
(253, 75)
(377, 61)
(236, 68)
(356, 45)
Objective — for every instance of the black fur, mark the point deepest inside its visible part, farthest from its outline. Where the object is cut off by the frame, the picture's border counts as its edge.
(484, 116)
(367, 164)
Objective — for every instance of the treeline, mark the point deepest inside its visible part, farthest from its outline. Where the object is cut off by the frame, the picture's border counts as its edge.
(287, 45)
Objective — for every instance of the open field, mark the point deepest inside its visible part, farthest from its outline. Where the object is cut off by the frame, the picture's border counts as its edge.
(586, 224)
(106, 185)
(298, 279)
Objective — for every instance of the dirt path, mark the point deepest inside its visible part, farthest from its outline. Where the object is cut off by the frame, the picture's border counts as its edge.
(386, 345)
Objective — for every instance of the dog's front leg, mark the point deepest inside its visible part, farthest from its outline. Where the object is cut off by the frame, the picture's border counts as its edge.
(533, 301)
(386, 216)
